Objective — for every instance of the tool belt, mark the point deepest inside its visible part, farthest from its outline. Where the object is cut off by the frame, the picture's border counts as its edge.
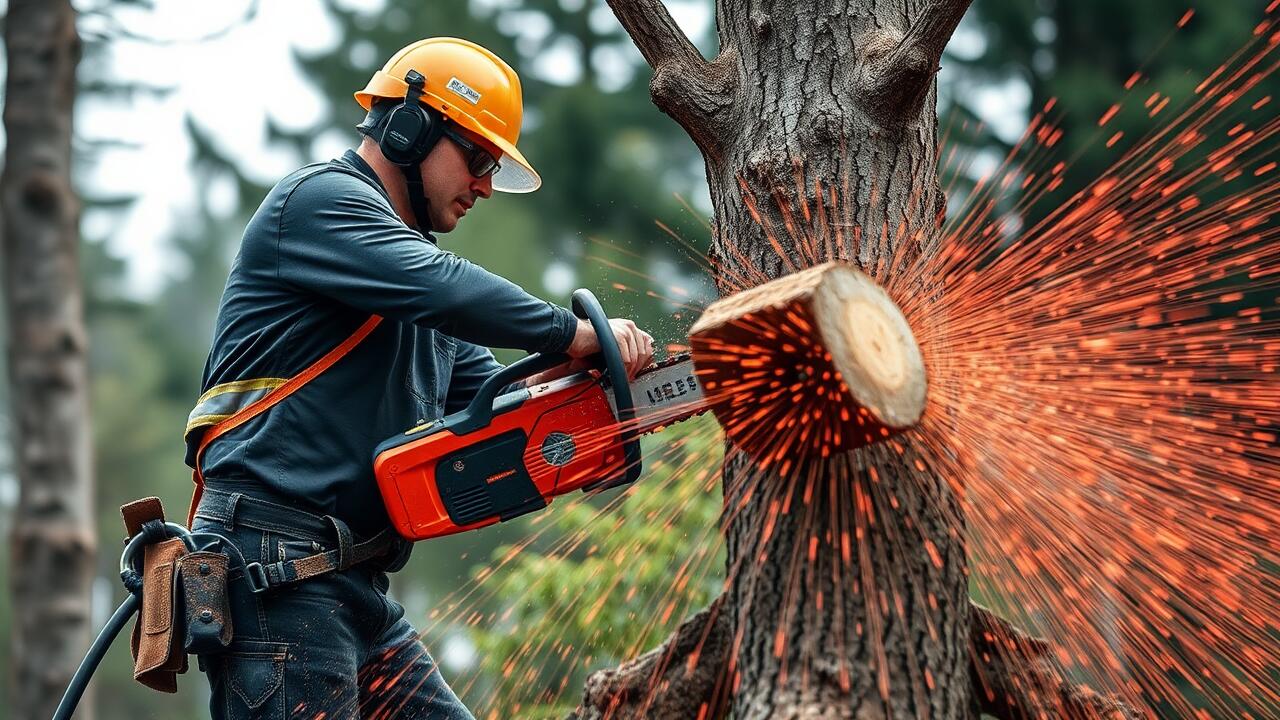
(185, 604)
(237, 509)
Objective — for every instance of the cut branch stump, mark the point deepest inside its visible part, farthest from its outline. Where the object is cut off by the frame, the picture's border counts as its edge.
(813, 363)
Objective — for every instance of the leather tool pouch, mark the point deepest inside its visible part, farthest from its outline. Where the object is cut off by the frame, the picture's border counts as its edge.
(204, 594)
(156, 643)
(158, 656)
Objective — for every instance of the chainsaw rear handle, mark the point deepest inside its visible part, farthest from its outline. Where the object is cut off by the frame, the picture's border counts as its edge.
(479, 413)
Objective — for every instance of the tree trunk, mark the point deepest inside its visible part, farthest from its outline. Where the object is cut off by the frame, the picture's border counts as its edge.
(52, 549)
(847, 584)
(874, 628)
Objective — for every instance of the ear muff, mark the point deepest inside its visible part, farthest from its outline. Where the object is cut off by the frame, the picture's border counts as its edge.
(411, 130)
(408, 134)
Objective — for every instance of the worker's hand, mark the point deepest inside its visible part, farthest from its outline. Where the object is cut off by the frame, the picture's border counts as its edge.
(635, 344)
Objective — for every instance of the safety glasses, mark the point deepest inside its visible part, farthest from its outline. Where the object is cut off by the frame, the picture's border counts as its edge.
(479, 161)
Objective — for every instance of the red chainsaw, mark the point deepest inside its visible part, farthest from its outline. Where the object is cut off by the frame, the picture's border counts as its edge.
(509, 454)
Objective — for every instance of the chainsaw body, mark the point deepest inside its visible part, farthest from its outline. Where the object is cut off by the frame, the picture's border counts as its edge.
(539, 443)
(510, 454)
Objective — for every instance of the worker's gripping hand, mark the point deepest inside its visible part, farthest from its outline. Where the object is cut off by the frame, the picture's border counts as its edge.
(635, 344)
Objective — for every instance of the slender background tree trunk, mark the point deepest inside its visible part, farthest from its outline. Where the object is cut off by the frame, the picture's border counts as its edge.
(52, 550)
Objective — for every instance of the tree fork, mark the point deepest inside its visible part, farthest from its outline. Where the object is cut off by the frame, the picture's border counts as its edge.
(899, 70)
(697, 94)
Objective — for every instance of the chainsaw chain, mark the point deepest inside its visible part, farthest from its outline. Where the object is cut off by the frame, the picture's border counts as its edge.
(666, 362)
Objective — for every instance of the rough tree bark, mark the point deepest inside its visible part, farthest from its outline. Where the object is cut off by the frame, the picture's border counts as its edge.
(840, 94)
(827, 109)
(52, 550)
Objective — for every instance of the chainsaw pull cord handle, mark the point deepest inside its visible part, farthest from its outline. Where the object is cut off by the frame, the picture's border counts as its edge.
(585, 305)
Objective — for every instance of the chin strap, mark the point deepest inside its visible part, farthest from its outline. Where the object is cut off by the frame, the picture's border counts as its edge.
(417, 199)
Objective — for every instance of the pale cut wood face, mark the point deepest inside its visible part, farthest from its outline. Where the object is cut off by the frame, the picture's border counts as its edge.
(880, 353)
(825, 348)
(871, 346)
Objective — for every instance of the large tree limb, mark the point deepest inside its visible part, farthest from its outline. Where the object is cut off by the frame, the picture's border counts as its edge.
(695, 93)
(898, 74)
(655, 33)
(1012, 675)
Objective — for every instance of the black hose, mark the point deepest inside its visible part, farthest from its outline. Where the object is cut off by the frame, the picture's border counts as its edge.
(71, 698)
(152, 531)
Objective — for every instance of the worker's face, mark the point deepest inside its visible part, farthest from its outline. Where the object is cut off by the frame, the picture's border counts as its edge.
(450, 187)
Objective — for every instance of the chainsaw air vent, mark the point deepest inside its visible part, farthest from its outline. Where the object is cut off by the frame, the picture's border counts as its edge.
(471, 504)
(488, 480)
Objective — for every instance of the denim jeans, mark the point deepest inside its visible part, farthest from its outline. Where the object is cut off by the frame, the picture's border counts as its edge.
(333, 646)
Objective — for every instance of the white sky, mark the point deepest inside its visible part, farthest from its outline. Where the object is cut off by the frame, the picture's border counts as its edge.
(230, 84)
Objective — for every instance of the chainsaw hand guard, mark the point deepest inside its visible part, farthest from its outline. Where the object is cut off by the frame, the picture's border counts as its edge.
(586, 305)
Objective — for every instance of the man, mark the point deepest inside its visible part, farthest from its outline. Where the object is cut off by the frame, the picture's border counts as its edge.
(304, 380)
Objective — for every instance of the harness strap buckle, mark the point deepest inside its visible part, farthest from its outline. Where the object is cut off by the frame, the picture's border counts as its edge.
(343, 535)
(256, 575)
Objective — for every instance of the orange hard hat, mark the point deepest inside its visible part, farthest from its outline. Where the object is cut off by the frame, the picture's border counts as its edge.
(470, 86)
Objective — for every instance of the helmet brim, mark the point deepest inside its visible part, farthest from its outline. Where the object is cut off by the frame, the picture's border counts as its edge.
(515, 174)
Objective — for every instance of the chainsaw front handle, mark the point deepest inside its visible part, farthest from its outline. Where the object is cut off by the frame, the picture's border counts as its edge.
(585, 305)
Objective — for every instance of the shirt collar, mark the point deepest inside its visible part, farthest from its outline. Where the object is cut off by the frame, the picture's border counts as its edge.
(352, 158)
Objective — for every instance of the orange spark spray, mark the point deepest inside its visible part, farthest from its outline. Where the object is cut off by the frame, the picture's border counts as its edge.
(1102, 400)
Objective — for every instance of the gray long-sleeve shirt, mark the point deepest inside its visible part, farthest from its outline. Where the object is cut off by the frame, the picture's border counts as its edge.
(324, 251)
